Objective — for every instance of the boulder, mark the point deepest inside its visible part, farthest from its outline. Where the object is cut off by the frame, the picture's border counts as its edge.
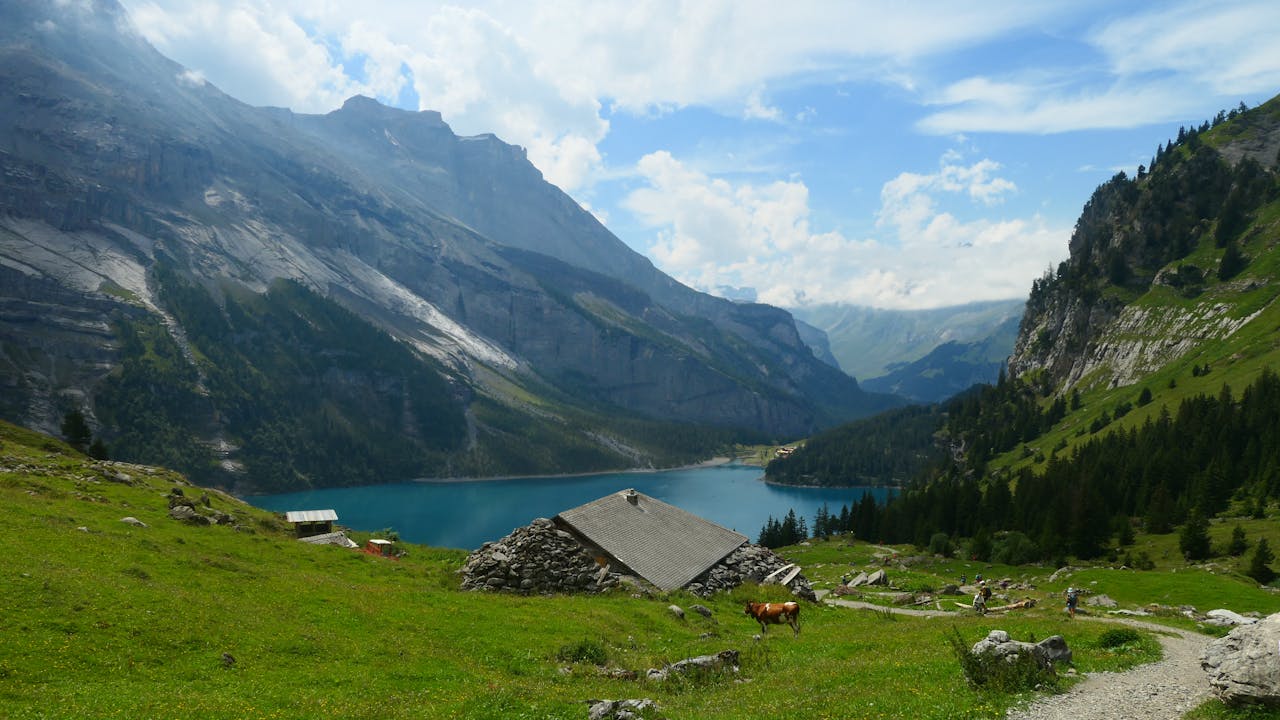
(1244, 665)
(1227, 618)
(723, 659)
(676, 610)
(878, 578)
(858, 581)
(1101, 601)
(188, 514)
(131, 520)
(702, 610)
(1047, 652)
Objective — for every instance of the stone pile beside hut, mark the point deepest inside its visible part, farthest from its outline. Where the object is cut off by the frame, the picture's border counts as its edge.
(536, 558)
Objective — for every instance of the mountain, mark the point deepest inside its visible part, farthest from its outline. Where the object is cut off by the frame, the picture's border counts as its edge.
(950, 368)
(874, 343)
(1166, 268)
(1142, 390)
(268, 300)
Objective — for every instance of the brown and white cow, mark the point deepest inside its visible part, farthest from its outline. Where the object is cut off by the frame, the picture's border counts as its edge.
(775, 613)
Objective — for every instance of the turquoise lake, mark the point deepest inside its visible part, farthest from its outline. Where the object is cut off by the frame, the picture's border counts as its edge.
(467, 514)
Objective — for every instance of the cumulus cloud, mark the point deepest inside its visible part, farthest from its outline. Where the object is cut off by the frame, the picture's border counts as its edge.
(712, 233)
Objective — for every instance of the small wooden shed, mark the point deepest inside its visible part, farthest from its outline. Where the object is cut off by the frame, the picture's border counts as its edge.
(311, 522)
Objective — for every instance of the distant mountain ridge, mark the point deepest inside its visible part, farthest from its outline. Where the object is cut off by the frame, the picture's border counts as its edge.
(950, 368)
(139, 206)
(889, 350)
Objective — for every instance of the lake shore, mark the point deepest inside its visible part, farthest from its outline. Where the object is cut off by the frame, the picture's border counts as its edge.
(710, 462)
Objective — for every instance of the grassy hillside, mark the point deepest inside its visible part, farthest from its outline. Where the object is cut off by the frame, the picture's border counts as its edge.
(106, 619)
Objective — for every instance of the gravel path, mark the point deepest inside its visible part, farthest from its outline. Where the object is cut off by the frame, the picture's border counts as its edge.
(1157, 691)
(1162, 690)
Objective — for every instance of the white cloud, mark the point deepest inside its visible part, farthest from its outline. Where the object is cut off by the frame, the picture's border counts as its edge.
(1159, 65)
(536, 73)
(258, 53)
(712, 233)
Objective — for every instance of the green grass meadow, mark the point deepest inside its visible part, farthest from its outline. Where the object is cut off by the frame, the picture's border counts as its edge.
(102, 619)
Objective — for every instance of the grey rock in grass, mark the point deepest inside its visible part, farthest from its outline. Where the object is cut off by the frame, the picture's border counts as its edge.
(641, 709)
(188, 514)
(131, 520)
(1226, 617)
(1244, 666)
(1047, 652)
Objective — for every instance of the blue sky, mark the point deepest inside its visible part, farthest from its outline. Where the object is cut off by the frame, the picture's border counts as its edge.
(904, 155)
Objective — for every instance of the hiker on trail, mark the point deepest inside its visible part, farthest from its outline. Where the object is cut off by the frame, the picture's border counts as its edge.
(985, 590)
(1073, 597)
(980, 599)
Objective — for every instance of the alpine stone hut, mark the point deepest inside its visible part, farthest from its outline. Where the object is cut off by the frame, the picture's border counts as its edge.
(595, 546)
(661, 543)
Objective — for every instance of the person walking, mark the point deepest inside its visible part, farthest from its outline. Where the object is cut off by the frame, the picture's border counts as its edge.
(1073, 598)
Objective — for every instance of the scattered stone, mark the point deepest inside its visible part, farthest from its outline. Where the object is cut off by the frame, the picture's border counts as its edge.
(82, 528)
(188, 514)
(131, 520)
(702, 610)
(617, 673)
(1244, 666)
(1046, 652)
(1132, 613)
(1226, 618)
(1059, 573)
(878, 578)
(950, 589)
(1101, 601)
(642, 709)
(858, 581)
(676, 610)
(228, 660)
(722, 659)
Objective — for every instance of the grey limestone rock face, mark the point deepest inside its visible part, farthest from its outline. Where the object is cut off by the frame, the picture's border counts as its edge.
(1244, 666)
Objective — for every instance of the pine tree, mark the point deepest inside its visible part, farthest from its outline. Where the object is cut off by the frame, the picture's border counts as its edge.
(76, 430)
(1260, 565)
(1238, 543)
(1193, 541)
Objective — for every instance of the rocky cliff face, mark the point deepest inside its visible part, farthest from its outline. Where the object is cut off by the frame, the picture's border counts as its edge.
(1146, 283)
(114, 164)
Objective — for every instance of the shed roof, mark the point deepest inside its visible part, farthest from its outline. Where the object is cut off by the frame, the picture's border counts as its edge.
(662, 543)
(309, 516)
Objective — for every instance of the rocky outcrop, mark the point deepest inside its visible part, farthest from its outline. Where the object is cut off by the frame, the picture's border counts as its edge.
(537, 558)
(1244, 666)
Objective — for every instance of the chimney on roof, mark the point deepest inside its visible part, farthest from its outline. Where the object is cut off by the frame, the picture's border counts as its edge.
(633, 497)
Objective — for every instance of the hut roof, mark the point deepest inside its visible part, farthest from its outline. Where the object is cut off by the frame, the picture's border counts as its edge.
(310, 516)
(661, 543)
